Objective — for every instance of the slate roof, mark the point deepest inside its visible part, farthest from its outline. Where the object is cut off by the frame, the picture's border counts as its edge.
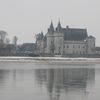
(74, 34)
(70, 34)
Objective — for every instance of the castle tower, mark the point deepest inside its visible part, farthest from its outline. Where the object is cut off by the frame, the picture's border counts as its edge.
(50, 39)
(58, 40)
(90, 45)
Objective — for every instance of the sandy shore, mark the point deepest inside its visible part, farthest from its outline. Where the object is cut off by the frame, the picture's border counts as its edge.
(51, 60)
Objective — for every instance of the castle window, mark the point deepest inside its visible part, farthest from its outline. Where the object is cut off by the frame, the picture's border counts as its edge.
(79, 46)
(83, 52)
(76, 52)
(67, 46)
(73, 46)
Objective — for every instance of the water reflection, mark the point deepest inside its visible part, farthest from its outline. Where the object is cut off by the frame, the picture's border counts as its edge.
(66, 82)
(57, 83)
(4, 74)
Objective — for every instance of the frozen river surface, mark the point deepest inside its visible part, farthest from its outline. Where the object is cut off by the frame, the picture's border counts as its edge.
(29, 81)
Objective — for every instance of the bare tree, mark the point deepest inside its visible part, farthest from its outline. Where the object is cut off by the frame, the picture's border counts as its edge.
(15, 40)
(2, 36)
(7, 41)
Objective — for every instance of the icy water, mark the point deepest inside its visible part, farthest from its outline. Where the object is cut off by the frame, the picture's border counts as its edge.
(29, 81)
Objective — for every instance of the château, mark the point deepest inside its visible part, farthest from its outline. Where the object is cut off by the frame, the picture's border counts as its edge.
(65, 41)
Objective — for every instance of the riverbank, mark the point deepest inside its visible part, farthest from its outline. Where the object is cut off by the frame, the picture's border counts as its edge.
(51, 60)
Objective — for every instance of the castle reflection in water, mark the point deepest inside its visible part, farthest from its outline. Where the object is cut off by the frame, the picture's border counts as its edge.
(65, 83)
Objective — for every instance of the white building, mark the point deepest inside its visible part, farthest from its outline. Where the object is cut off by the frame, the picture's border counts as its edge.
(67, 41)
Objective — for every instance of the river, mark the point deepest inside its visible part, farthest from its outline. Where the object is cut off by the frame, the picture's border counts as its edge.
(29, 81)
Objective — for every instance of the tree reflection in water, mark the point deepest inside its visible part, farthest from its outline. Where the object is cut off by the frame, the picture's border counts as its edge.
(3, 77)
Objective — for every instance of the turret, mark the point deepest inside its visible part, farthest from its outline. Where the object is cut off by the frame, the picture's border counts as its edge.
(50, 39)
(59, 40)
(59, 28)
(51, 28)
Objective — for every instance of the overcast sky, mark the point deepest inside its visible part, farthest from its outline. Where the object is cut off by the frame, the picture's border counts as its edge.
(25, 18)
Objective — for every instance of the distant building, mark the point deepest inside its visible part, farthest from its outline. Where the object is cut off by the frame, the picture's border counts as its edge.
(41, 43)
(27, 48)
(65, 41)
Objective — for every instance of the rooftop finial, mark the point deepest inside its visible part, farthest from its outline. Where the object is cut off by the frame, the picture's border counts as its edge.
(51, 20)
(59, 19)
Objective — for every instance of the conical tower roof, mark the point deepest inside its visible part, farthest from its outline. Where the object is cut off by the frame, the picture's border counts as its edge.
(51, 28)
(59, 25)
(59, 28)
